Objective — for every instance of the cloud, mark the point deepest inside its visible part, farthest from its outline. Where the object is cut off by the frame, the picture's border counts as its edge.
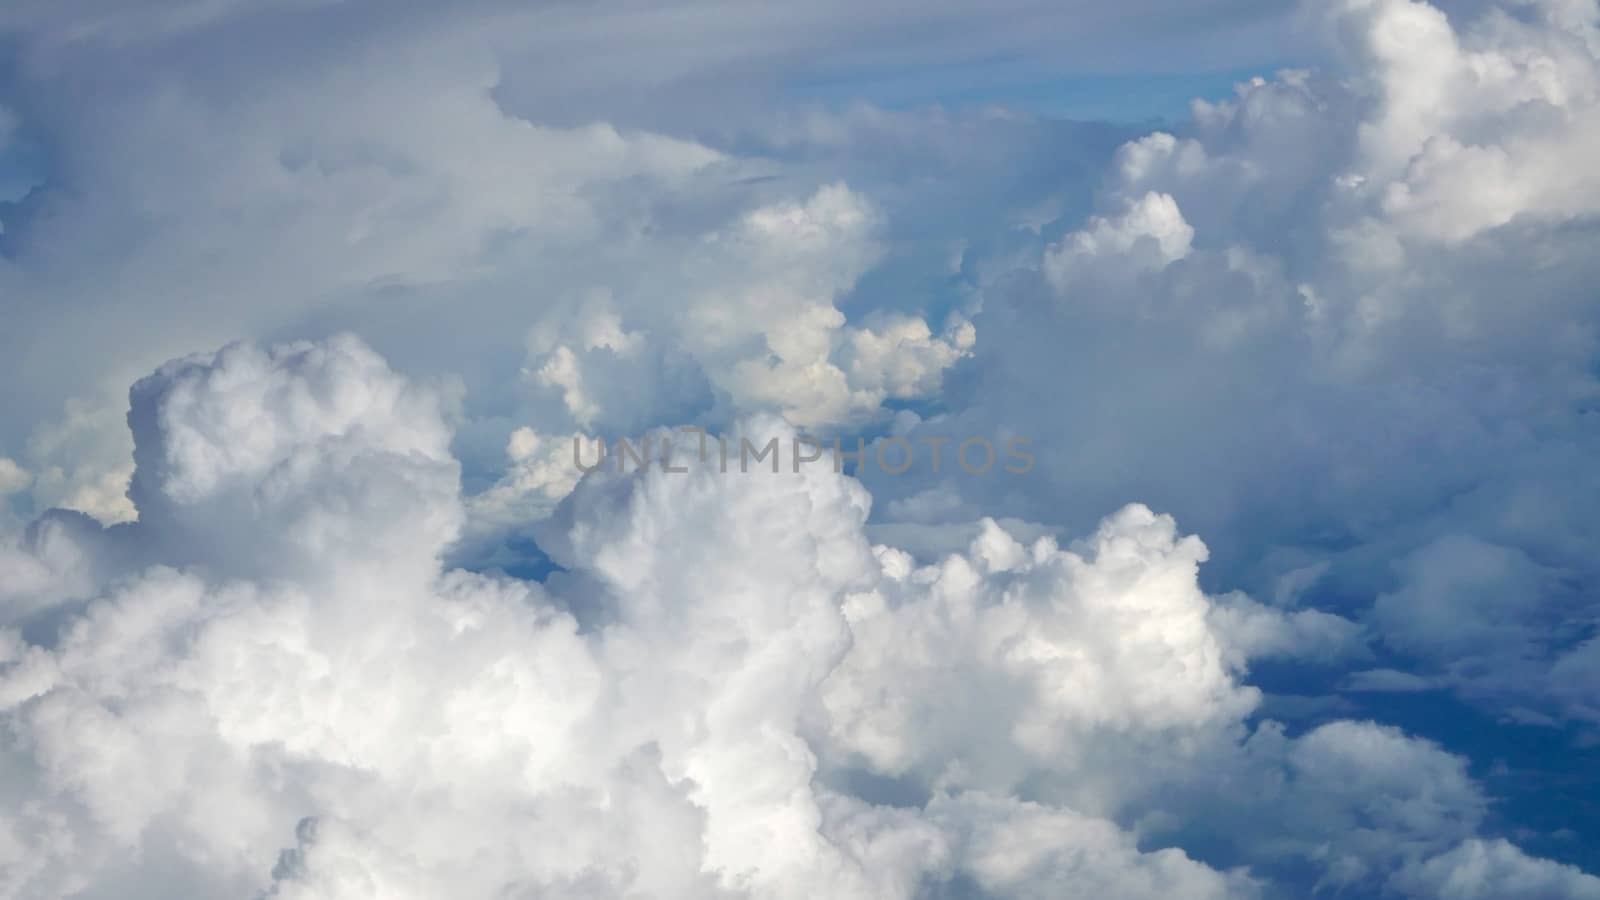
(13, 478)
(1043, 646)
(755, 318)
(1291, 302)
(287, 622)
(1150, 234)
(272, 665)
(1026, 851)
(1493, 869)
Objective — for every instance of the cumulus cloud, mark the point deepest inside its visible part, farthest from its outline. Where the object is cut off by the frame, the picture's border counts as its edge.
(1117, 641)
(275, 686)
(286, 622)
(1493, 869)
(1149, 234)
(642, 278)
(1295, 298)
(754, 317)
(13, 478)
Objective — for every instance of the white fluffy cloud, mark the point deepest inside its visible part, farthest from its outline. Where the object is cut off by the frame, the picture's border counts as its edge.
(286, 622)
(1337, 323)
(273, 685)
(1493, 869)
(750, 312)
(1040, 648)
(13, 478)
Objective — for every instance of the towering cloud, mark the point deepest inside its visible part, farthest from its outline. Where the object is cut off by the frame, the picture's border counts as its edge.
(1297, 597)
(1341, 327)
(275, 687)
